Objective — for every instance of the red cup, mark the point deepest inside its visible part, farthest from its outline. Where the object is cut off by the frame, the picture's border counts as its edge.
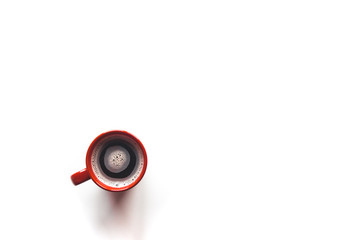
(116, 161)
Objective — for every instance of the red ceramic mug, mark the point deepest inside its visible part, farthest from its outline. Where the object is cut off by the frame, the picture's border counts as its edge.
(116, 161)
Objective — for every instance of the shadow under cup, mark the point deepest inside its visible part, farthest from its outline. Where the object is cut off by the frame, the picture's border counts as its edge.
(116, 161)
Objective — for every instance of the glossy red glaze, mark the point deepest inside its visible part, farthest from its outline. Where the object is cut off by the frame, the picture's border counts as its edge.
(88, 172)
(80, 177)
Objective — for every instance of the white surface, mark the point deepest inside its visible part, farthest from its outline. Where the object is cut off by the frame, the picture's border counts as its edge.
(249, 113)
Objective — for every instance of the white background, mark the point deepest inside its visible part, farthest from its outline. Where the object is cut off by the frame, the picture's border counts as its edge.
(249, 111)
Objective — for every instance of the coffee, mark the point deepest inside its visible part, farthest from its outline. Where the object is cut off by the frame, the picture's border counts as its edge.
(117, 160)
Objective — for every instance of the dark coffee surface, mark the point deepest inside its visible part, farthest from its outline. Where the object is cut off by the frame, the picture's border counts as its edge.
(132, 163)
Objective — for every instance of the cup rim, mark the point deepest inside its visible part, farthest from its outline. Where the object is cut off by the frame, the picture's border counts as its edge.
(91, 171)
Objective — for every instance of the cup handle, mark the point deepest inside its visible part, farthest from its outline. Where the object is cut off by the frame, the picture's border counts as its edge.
(80, 177)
